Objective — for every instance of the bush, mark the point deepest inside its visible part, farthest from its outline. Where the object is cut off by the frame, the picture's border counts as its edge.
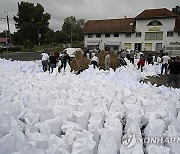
(28, 45)
(10, 49)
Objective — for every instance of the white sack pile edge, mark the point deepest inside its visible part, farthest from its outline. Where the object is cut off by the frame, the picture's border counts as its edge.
(90, 113)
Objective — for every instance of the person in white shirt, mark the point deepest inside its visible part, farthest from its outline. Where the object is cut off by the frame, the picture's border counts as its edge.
(44, 60)
(95, 61)
(165, 62)
(158, 60)
(107, 62)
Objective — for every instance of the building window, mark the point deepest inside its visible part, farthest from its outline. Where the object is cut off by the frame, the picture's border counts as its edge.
(170, 34)
(153, 35)
(178, 33)
(148, 47)
(154, 23)
(107, 34)
(98, 35)
(128, 34)
(127, 46)
(116, 34)
(89, 35)
(138, 34)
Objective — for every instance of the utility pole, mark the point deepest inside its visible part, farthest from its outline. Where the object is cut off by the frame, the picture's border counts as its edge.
(9, 34)
(39, 37)
(6, 40)
(71, 36)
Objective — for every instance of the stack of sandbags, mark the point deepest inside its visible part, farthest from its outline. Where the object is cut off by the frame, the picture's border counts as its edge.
(79, 62)
(114, 63)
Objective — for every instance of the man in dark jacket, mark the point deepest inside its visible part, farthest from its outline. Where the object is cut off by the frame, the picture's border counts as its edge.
(174, 72)
(64, 59)
(52, 62)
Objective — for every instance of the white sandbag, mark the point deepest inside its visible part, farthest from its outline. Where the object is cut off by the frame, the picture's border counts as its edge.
(45, 112)
(44, 128)
(85, 105)
(173, 139)
(114, 127)
(154, 149)
(56, 140)
(95, 124)
(149, 105)
(56, 146)
(72, 103)
(29, 150)
(37, 140)
(97, 110)
(6, 144)
(68, 139)
(84, 143)
(178, 122)
(18, 136)
(55, 125)
(4, 129)
(31, 120)
(63, 113)
(155, 128)
(116, 107)
(135, 149)
(172, 107)
(6, 117)
(133, 127)
(70, 126)
(136, 111)
(107, 143)
(55, 149)
(82, 118)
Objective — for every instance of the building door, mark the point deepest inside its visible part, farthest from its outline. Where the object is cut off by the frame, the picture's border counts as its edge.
(138, 46)
(158, 47)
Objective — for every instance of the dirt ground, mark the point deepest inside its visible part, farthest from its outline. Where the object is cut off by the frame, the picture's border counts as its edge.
(161, 80)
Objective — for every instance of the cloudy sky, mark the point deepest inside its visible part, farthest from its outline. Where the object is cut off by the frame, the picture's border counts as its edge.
(84, 9)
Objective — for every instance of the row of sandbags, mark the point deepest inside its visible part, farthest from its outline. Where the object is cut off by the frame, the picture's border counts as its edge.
(81, 63)
(49, 113)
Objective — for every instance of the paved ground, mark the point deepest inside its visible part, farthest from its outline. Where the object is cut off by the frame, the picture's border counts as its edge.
(23, 56)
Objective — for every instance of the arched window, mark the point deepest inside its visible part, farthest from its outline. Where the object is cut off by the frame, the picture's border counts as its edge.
(154, 23)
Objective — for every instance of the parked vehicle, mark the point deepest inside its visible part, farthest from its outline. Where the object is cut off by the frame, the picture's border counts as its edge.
(71, 51)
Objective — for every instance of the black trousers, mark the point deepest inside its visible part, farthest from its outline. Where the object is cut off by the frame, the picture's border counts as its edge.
(94, 63)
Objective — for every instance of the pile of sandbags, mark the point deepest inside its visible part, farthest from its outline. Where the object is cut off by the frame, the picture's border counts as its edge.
(114, 62)
(79, 62)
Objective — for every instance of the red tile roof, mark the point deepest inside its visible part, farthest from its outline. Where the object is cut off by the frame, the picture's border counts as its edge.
(156, 13)
(2, 40)
(110, 25)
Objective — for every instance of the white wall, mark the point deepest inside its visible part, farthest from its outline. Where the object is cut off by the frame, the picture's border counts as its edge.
(168, 24)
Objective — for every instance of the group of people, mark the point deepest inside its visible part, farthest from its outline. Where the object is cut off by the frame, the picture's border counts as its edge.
(50, 60)
(170, 66)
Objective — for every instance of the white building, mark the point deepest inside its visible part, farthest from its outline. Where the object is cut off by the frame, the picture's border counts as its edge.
(148, 31)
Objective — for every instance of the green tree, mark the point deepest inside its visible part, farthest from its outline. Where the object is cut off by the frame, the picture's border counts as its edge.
(31, 23)
(72, 29)
(176, 10)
